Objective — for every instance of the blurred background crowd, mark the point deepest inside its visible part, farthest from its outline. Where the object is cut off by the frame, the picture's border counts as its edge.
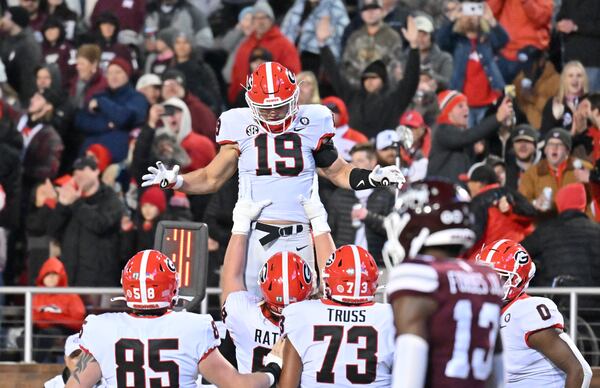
(95, 91)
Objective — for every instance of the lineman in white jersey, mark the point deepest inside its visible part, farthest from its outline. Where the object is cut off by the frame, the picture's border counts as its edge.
(344, 339)
(538, 353)
(153, 345)
(252, 321)
(279, 145)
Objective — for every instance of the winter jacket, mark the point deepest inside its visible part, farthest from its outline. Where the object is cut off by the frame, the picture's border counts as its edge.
(21, 54)
(373, 112)
(38, 241)
(204, 121)
(88, 232)
(282, 50)
(379, 205)
(303, 33)
(363, 49)
(183, 16)
(514, 171)
(57, 309)
(527, 22)
(567, 245)
(549, 121)
(130, 14)
(42, 152)
(96, 84)
(345, 137)
(582, 44)
(64, 56)
(396, 19)
(460, 46)
(533, 101)
(118, 112)
(201, 80)
(452, 148)
(490, 224)
(539, 175)
(11, 144)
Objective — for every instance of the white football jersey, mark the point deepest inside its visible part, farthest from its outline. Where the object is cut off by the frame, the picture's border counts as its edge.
(342, 346)
(281, 166)
(252, 333)
(145, 351)
(526, 367)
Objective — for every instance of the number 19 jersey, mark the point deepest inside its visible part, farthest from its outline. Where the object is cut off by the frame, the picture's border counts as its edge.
(341, 346)
(135, 351)
(281, 166)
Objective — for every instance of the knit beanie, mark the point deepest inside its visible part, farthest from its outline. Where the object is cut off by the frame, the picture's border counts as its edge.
(19, 16)
(447, 100)
(571, 197)
(560, 134)
(102, 155)
(263, 7)
(376, 67)
(154, 196)
(123, 64)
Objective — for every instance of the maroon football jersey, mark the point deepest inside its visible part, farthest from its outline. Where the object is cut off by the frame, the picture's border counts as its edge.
(464, 328)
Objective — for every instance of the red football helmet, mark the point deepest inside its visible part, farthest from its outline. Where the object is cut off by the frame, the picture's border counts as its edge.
(512, 262)
(150, 281)
(284, 278)
(272, 95)
(350, 275)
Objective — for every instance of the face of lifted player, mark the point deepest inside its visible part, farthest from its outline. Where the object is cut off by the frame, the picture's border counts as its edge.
(273, 114)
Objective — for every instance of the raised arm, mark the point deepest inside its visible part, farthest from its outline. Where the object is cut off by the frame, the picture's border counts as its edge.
(202, 181)
(245, 211)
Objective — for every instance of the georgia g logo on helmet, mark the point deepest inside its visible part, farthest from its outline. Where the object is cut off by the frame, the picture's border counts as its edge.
(330, 260)
(170, 265)
(262, 275)
(291, 76)
(522, 257)
(249, 82)
(307, 273)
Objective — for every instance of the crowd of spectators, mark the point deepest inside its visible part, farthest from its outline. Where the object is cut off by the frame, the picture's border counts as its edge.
(503, 99)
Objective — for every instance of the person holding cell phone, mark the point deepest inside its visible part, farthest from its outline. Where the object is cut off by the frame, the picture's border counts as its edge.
(474, 39)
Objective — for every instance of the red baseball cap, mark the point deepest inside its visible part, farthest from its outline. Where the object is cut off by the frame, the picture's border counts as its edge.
(412, 119)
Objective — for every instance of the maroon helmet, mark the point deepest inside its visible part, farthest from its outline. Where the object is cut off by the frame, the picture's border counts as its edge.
(429, 213)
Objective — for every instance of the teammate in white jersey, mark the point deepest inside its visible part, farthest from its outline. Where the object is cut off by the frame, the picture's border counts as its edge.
(538, 353)
(153, 345)
(279, 145)
(344, 339)
(252, 321)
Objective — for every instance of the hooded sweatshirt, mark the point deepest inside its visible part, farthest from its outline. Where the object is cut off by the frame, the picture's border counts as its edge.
(57, 309)
(198, 147)
(345, 137)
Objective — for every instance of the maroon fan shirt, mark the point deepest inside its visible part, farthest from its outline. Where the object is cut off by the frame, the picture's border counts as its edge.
(464, 328)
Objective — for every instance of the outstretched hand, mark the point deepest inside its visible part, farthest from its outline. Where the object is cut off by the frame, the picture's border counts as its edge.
(246, 210)
(410, 32)
(163, 177)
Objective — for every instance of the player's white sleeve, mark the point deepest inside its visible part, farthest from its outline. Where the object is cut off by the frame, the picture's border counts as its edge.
(90, 333)
(209, 338)
(587, 370)
(225, 132)
(412, 277)
(410, 361)
(231, 312)
(537, 313)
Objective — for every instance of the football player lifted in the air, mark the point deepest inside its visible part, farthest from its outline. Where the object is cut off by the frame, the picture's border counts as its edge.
(152, 345)
(446, 310)
(252, 321)
(279, 145)
(538, 352)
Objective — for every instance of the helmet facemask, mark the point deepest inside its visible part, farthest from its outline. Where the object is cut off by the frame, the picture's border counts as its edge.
(510, 283)
(273, 114)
